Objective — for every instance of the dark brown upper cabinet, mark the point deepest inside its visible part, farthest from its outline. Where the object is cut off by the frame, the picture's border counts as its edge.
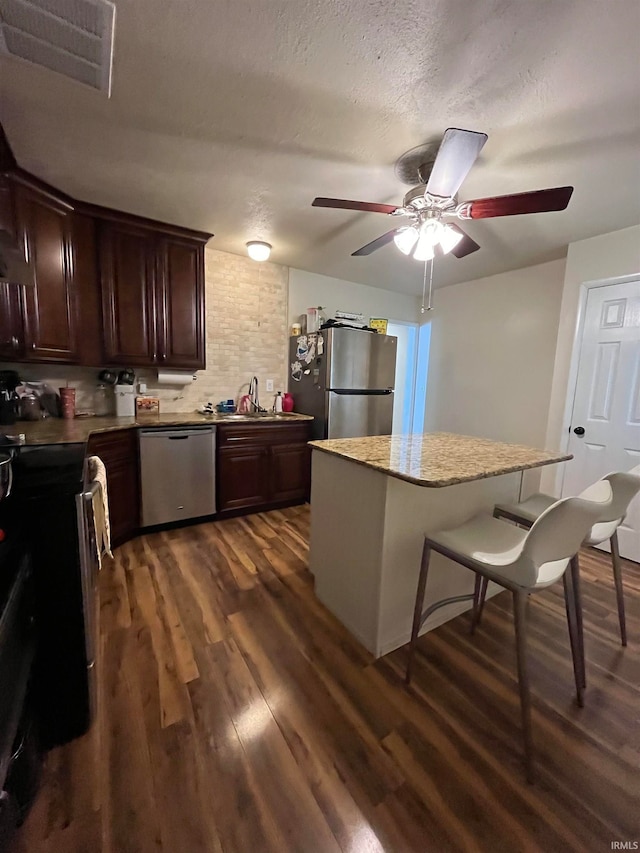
(110, 287)
(152, 297)
(127, 278)
(180, 303)
(44, 228)
(11, 321)
(11, 325)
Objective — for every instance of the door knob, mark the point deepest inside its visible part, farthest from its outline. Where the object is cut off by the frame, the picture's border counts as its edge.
(579, 430)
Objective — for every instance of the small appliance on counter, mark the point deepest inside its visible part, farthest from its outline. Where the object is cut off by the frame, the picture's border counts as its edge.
(125, 401)
(125, 394)
(9, 381)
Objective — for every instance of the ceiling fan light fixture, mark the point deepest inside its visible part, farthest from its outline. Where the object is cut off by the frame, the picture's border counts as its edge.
(449, 238)
(424, 250)
(258, 250)
(430, 232)
(406, 238)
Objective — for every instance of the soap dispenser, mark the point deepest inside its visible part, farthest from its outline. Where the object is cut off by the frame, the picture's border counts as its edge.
(277, 402)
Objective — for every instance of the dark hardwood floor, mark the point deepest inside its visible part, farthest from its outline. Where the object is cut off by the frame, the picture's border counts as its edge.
(237, 715)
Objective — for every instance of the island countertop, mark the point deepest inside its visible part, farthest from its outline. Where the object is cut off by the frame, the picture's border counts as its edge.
(440, 458)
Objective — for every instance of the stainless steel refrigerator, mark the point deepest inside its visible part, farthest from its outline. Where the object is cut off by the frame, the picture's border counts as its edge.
(345, 379)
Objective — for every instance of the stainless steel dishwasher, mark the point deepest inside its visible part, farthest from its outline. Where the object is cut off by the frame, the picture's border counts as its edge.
(177, 468)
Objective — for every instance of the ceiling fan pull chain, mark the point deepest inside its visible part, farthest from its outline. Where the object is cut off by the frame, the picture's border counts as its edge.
(424, 286)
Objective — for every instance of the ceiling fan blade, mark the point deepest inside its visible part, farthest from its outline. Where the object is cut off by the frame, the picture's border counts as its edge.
(343, 204)
(466, 246)
(458, 152)
(378, 243)
(537, 201)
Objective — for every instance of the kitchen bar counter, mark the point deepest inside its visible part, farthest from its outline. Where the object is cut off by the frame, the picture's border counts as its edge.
(369, 514)
(78, 430)
(439, 459)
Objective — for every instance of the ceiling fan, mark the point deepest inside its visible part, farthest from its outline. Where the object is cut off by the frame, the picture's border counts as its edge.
(430, 205)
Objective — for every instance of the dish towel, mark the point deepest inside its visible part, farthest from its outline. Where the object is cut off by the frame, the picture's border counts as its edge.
(98, 472)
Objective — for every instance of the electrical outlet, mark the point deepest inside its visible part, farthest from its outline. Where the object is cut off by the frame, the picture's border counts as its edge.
(269, 384)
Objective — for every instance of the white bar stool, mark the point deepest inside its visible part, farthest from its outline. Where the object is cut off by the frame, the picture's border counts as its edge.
(624, 487)
(521, 561)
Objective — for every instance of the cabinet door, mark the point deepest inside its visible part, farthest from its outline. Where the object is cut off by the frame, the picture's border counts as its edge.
(11, 326)
(181, 338)
(124, 511)
(290, 472)
(119, 452)
(45, 230)
(127, 275)
(243, 477)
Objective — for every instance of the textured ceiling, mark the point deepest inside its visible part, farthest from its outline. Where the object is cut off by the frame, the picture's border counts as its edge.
(231, 115)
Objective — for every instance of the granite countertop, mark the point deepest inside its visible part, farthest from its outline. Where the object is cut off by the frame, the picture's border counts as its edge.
(78, 430)
(439, 458)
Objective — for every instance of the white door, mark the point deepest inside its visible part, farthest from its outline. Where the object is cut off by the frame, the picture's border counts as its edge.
(605, 425)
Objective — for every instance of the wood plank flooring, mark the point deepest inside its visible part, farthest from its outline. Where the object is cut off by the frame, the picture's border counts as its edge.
(237, 715)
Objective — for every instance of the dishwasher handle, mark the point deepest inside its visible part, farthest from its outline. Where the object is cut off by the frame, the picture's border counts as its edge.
(177, 437)
(176, 432)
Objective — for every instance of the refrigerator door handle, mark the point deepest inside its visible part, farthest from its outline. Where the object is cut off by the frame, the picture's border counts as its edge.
(361, 392)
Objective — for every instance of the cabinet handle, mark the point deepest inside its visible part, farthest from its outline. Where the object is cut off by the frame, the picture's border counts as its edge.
(15, 342)
(33, 345)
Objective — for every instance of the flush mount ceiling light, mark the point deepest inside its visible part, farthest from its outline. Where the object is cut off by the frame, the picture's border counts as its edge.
(258, 250)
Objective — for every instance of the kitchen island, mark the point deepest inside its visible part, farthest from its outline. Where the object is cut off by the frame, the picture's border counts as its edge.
(372, 501)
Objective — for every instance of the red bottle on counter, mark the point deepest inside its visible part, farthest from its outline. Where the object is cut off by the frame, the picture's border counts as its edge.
(287, 402)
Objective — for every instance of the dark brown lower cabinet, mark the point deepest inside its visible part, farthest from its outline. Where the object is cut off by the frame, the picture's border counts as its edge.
(119, 452)
(261, 466)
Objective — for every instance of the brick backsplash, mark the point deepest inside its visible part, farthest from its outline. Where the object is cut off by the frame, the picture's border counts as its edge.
(246, 323)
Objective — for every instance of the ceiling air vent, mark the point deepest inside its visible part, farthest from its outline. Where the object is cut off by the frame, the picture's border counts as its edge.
(70, 37)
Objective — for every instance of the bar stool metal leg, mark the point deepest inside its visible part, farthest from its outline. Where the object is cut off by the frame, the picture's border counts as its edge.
(477, 591)
(617, 578)
(570, 606)
(417, 611)
(520, 617)
(574, 568)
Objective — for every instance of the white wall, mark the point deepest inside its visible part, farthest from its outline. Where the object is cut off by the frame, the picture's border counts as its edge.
(307, 290)
(602, 257)
(493, 343)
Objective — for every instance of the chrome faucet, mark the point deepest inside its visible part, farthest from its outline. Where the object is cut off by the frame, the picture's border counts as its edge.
(254, 399)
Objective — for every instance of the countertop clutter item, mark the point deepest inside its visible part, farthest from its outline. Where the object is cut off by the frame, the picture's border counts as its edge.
(68, 403)
(9, 380)
(109, 377)
(287, 402)
(30, 409)
(227, 406)
(147, 406)
(379, 325)
(312, 320)
(125, 400)
(102, 399)
(296, 329)
(277, 402)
